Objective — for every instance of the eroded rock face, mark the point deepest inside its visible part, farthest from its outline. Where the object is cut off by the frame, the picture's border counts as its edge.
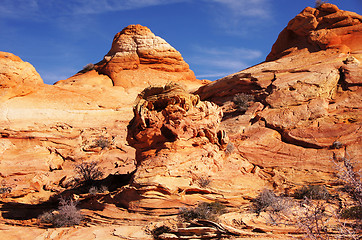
(320, 29)
(138, 58)
(169, 113)
(305, 102)
(180, 150)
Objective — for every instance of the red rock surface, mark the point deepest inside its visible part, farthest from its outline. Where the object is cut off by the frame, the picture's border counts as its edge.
(319, 29)
(138, 58)
(306, 101)
(180, 148)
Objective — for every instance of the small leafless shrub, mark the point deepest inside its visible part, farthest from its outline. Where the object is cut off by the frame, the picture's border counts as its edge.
(354, 212)
(319, 3)
(87, 68)
(313, 220)
(88, 171)
(337, 145)
(315, 192)
(102, 142)
(350, 178)
(230, 148)
(268, 200)
(204, 210)
(66, 215)
(242, 101)
(156, 232)
(203, 181)
(4, 188)
(94, 190)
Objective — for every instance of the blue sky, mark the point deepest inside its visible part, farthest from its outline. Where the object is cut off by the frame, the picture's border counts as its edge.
(215, 37)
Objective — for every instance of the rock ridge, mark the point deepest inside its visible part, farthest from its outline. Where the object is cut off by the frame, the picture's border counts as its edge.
(315, 29)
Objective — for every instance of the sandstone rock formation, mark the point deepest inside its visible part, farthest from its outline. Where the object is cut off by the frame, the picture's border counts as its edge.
(306, 101)
(319, 29)
(181, 154)
(180, 148)
(138, 58)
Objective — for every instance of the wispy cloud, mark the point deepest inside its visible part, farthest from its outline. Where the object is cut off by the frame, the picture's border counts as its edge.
(240, 17)
(246, 8)
(33, 8)
(222, 61)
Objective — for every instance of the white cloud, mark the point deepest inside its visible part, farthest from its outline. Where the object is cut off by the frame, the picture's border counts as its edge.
(240, 17)
(213, 75)
(35, 8)
(219, 62)
(246, 8)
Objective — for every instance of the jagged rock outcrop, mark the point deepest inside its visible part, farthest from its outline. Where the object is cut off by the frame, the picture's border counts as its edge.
(188, 148)
(138, 58)
(318, 29)
(306, 101)
(181, 154)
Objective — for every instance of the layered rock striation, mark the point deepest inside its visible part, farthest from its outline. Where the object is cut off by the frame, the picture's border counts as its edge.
(306, 102)
(315, 29)
(181, 154)
(138, 58)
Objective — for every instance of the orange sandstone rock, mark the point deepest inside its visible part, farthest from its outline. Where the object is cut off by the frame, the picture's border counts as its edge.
(138, 58)
(320, 29)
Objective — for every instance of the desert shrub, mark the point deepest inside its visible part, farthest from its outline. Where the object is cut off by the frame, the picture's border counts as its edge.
(5, 190)
(102, 142)
(316, 192)
(156, 232)
(354, 212)
(351, 179)
(319, 3)
(204, 210)
(203, 181)
(94, 190)
(230, 148)
(87, 68)
(313, 220)
(242, 101)
(336, 145)
(268, 200)
(66, 215)
(88, 171)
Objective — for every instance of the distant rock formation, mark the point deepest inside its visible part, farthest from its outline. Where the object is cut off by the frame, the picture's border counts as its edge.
(319, 29)
(138, 58)
(16, 72)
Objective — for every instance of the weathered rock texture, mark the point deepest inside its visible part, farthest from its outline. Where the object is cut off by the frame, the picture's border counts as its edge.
(138, 58)
(306, 102)
(187, 148)
(319, 29)
(181, 154)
